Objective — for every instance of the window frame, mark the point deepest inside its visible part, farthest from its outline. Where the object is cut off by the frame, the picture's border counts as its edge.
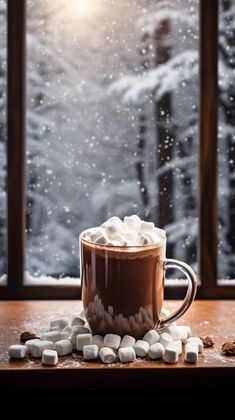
(16, 165)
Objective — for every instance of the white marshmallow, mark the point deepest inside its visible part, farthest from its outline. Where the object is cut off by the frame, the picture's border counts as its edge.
(107, 355)
(160, 233)
(146, 239)
(98, 340)
(191, 353)
(126, 354)
(179, 332)
(141, 348)
(77, 320)
(132, 222)
(36, 349)
(196, 341)
(171, 353)
(83, 340)
(17, 351)
(51, 336)
(97, 233)
(49, 357)
(102, 240)
(146, 227)
(151, 337)
(63, 347)
(127, 341)
(77, 329)
(178, 346)
(112, 340)
(165, 339)
(68, 330)
(90, 352)
(29, 343)
(156, 351)
(59, 324)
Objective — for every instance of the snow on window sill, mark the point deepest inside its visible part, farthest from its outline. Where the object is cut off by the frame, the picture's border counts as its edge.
(50, 281)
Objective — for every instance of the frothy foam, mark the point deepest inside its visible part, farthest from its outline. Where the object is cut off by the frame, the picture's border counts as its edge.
(132, 231)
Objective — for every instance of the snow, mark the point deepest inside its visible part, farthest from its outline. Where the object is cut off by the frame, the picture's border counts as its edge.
(88, 87)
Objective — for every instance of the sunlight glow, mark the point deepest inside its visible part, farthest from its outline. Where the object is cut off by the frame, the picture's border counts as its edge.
(83, 8)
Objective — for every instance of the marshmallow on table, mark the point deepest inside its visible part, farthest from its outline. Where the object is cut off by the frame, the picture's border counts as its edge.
(63, 347)
(29, 344)
(171, 353)
(83, 340)
(17, 351)
(59, 324)
(196, 341)
(191, 353)
(156, 351)
(98, 340)
(112, 340)
(68, 330)
(90, 351)
(51, 336)
(126, 354)
(49, 357)
(127, 341)
(141, 348)
(78, 320)
(165, 339)
(36, 349)
(179, 332)
(107, 355)
(151, 337)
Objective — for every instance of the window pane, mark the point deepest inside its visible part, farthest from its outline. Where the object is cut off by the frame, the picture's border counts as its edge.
(112, 123)
(226, 142)
(3, 222)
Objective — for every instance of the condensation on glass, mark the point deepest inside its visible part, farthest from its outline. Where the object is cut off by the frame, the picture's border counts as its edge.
(3, 130)
(226, 143)
(112, 123)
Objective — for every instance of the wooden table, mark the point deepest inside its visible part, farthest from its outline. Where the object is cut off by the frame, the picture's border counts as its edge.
(214, 318)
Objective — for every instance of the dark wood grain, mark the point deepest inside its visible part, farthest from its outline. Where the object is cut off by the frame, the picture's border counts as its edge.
(204, 317)
(208, 145)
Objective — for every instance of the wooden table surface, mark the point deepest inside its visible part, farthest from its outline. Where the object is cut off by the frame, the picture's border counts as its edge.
(213, 318)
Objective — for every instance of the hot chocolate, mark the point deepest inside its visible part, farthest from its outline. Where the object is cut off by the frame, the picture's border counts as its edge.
(122, 287)
(123, 267)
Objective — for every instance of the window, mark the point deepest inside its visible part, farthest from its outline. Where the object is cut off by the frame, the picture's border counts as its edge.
(112, 127)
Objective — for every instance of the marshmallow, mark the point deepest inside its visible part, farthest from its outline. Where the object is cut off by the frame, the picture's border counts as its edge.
(107, 355)
(49, 357)
(146, 227)
(178, 346)
(179, 332)
(51, 336)
(171, 353)
(97, 233)
(151, 337)
(29, 343)
(141, 348)
(165, 339)
(112, 340)
(156, 351)
(133, 222)
(98, 340)
(127, 341)
(75, 332)
(63, 347)
(83, 340)
(68, 330)
(90, 352)
(191, 353)
(58, 324)
(146, 239)
(17, 351)
(102, 240)
(126, 354)
(78, 320)
(36, 349)
(196, 341)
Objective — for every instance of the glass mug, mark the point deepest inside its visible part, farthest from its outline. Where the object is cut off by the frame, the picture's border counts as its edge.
(123, 287)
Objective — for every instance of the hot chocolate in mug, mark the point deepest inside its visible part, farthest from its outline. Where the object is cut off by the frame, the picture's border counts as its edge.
(123, 286)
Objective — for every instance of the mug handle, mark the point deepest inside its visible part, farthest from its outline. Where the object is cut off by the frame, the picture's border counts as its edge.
(190, 295)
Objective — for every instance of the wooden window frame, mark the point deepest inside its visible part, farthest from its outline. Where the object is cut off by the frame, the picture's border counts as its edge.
(16, 112)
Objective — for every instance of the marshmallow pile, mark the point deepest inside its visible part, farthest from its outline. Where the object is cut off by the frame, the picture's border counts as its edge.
(131, 232)
(65, 336)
